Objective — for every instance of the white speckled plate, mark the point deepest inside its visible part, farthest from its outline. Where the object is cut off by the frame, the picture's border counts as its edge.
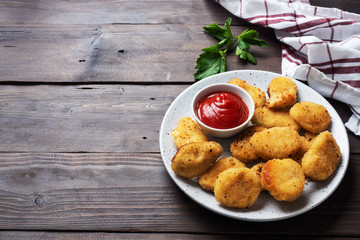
(265, 208)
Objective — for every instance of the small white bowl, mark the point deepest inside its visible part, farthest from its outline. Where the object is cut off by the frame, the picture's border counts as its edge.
(223, 87)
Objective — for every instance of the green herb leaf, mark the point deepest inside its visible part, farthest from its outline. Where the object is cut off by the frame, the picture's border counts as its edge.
(224, 43)
(255, 41)
(241, 53)
(245, 39)
(249, 33)
(251, 58)
(243, 45)
(227, 28)
(218, 32)
(213, 60)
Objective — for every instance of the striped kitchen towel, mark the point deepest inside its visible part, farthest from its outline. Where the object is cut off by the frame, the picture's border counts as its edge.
(319, 45)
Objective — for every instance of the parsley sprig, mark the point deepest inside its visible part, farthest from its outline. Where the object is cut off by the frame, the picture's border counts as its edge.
(213, 58)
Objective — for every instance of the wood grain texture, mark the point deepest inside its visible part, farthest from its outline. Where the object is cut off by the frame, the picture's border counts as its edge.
(113, 41)
(112, 12)
(116, 53)
(83, 118)
(84, 86)
(346, 5)
(91, 118)
(127, 11)
(134, 193)
(156, 236)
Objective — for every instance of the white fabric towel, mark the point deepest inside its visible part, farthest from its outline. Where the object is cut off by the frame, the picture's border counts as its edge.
(319, 45)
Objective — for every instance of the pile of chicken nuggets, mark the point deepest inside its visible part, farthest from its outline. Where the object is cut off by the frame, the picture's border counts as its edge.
(286, 145)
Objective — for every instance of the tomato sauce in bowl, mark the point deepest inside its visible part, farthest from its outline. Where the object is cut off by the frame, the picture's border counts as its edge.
(222, 110)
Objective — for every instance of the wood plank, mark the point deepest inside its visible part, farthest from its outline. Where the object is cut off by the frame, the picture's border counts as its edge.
(113, 12)
(128, 12)
(133, 193)
(83, 118)
(346, 5)
(84, 48)
(91, 118)
(116, 53)
(30, 235)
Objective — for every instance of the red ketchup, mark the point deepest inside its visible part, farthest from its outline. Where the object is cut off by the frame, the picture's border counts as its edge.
(222, 110)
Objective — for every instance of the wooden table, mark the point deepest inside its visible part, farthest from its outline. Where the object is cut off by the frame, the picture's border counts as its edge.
(84, 88)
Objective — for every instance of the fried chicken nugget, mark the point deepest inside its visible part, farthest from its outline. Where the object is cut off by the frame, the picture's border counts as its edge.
(284, 179)
(237, 187)
(276, 142)
(194, 159)
(306, 142)
(256, 93)
(322, 158)
(311, 116)
(187, 131)
(207, 180)
(241, 147)
(257, 168)
(267, 117)
(282, 93)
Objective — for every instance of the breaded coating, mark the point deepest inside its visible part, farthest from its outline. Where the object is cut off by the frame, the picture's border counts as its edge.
(256, 93)
(187, 131)
(207, 180)
(311, 116)
(284, 179)
(306, 142)
(194, 159)
(241, 147)
(276, 142)
(267, 117)
(282, 93)
(237, 187)
(258, 169)
(322, 158)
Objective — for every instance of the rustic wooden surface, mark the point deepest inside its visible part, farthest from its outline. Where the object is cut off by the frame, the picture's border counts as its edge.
(84, 86)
